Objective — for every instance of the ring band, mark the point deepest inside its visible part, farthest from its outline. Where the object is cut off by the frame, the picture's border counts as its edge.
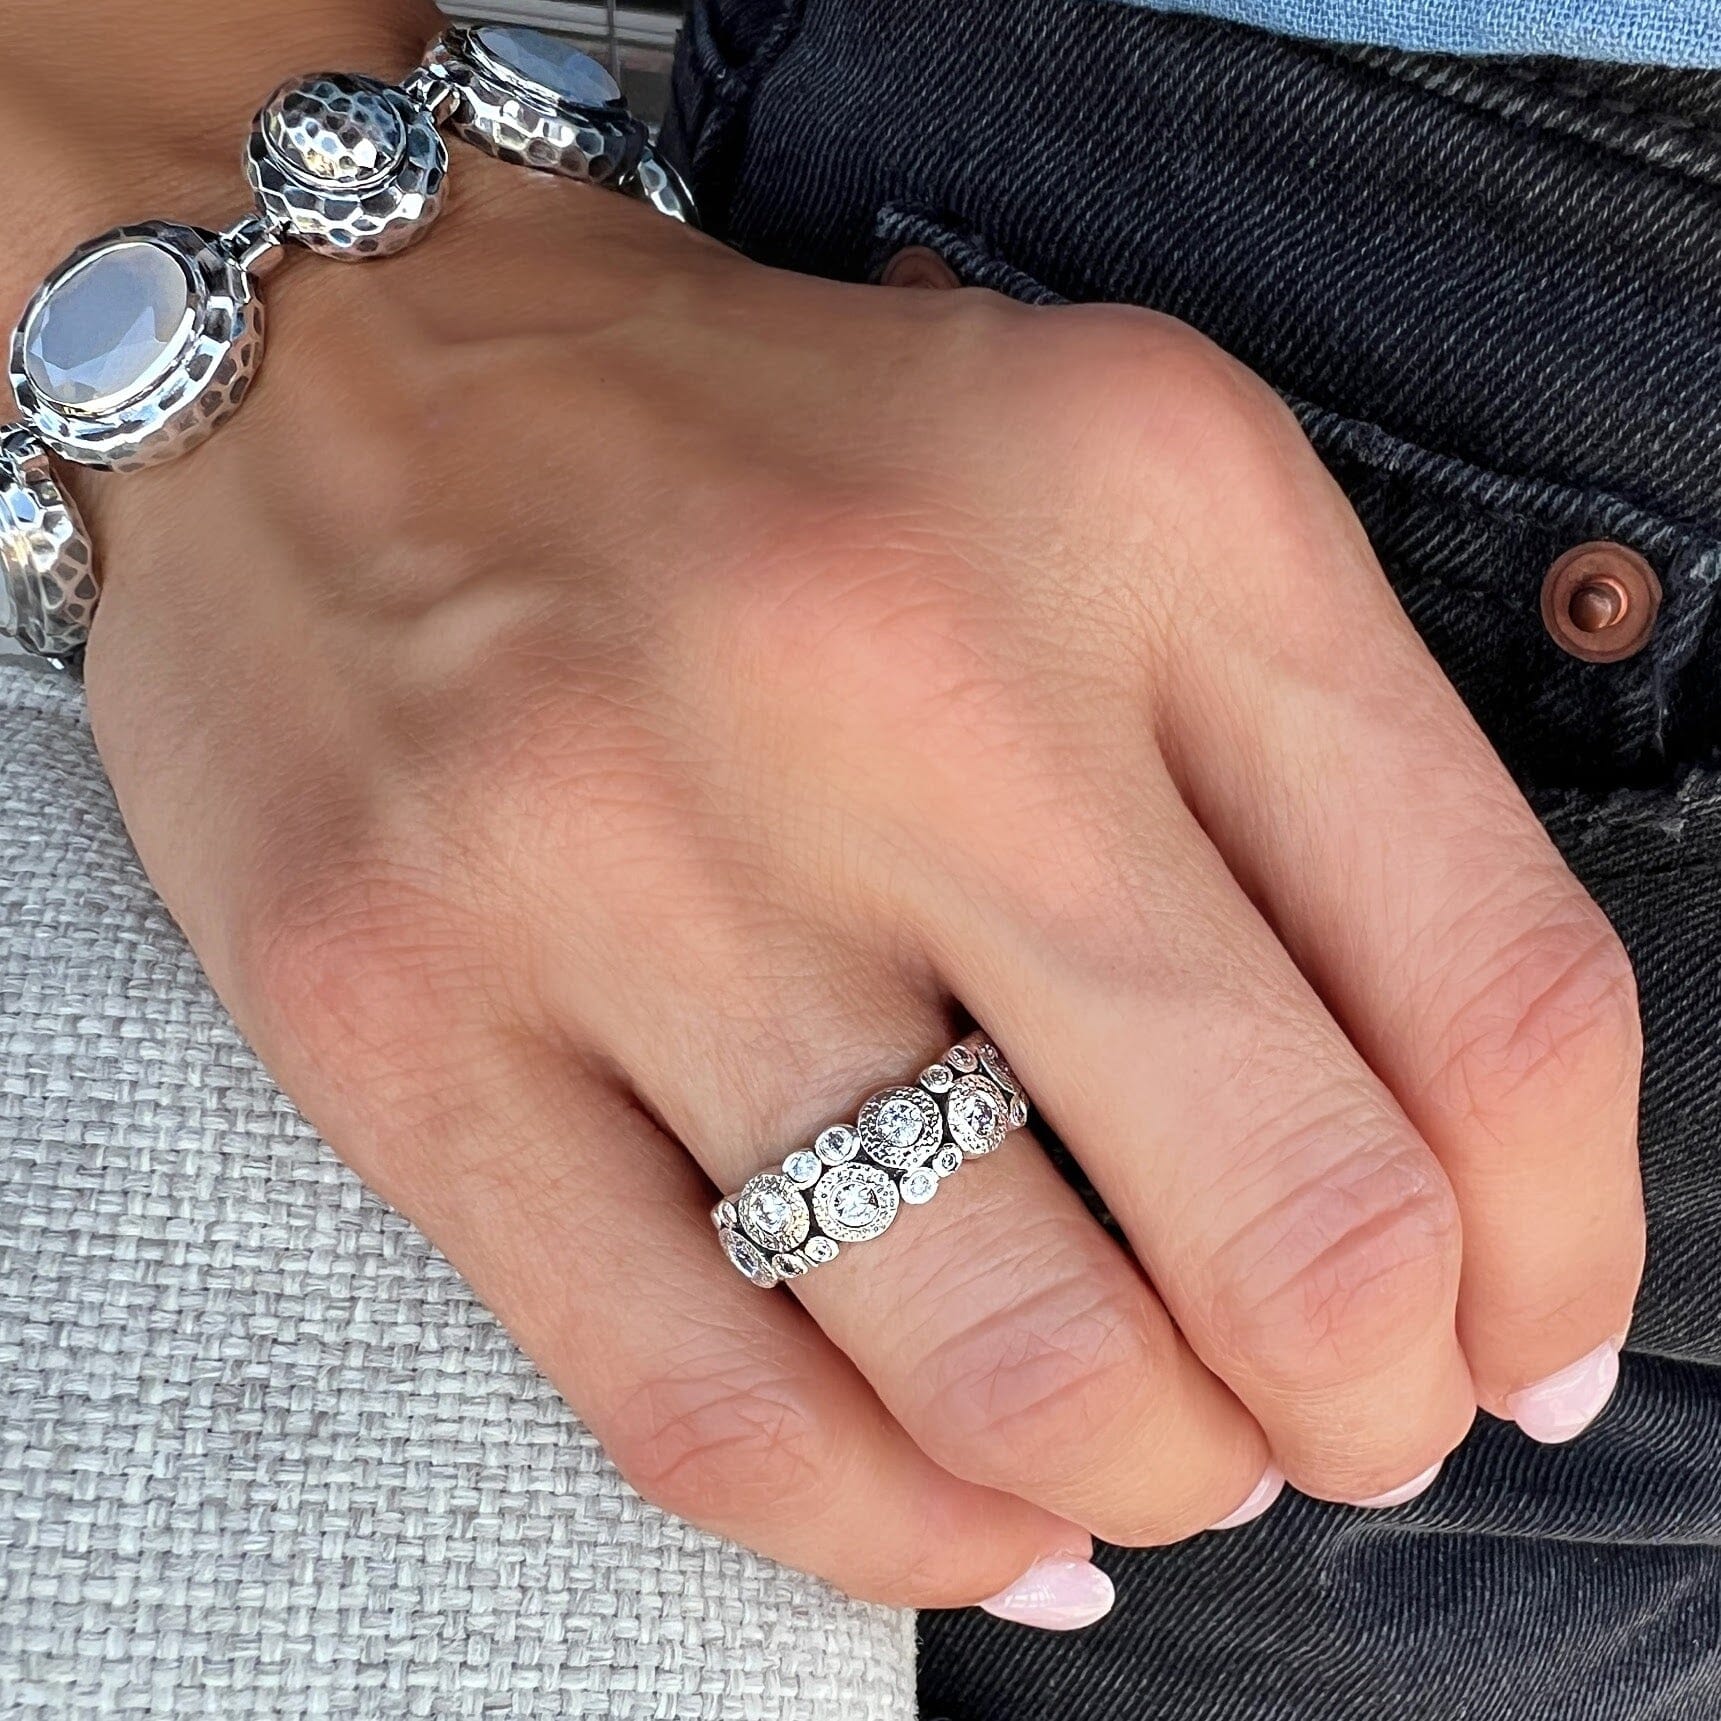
(849, 1185)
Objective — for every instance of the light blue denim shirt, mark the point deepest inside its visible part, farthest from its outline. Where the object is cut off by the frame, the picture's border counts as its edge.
(1652, 32)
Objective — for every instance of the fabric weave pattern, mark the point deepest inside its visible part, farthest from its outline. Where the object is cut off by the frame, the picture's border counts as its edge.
(262, 1454)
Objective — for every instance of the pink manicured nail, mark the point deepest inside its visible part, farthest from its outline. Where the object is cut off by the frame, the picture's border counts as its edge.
(1267, 1490)
(1565, 1404)
(1058, 1593)
(1405, 1490)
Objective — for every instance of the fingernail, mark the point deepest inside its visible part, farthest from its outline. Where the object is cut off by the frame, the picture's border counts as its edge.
(1405, 1490)
(1565, 1404)
(1267, 1490)
(1059, 1593)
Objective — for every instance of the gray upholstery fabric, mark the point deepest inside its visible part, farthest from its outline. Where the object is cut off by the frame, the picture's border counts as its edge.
(261, 1453)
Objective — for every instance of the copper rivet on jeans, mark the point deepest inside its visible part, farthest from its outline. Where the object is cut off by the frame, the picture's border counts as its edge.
(918, 266)
(1599, 602)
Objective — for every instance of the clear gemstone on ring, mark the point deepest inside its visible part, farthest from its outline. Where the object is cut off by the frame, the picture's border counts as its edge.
(838, 1144)
(947, 1161)
(773, 1212)
(977, 1112)
(855, 1202)
(803, 1167)
(937, 1078)
(747, 1260)
(919, 1185)
(901, 1127)
(820, 1250)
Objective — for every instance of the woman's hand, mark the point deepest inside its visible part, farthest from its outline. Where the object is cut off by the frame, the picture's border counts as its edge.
(604, 707)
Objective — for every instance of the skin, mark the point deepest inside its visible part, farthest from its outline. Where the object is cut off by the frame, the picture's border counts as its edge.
(605, 706)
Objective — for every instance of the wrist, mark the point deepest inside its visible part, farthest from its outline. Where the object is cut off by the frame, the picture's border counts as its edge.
(112, 113)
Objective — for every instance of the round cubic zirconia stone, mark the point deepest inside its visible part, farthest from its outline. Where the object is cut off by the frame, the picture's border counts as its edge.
(772, 1212)
(901, 1127)
(937, 1078)
(962, 1058)
(335, 130)
(555, 66)
(838, 1144)
(110, 328)
(819, 1250)
(947, 1161)
(854, 1202)
(978, 1115)
(803, 1167)
(919, 1186)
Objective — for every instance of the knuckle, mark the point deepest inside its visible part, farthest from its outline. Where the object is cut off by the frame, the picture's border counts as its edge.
(1340, 1273)
(1034, 1388)
(742, 1446)
(357, 968)
(1554, 1010)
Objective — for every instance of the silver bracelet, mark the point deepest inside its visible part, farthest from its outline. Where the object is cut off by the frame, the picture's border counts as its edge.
(145, 340)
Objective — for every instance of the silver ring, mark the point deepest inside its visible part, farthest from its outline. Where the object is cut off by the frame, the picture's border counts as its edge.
(850, 1183)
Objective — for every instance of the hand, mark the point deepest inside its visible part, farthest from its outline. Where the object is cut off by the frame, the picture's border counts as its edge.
(604, 706)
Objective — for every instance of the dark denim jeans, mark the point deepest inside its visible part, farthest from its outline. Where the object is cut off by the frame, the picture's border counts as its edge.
(1494, 293)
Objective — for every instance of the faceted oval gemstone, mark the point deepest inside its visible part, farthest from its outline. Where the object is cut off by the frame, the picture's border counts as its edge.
(110, 328)
(554, 65)
(335, 130)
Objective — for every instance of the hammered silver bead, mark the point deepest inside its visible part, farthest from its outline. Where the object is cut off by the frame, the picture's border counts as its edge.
(49, 584)
(349, 167)
(656, 182)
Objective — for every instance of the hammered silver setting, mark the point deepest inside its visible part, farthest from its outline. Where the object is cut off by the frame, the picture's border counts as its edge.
(183, 398)
(347, 166)
(978, 1113)
(856, 1202)
(901, 1128)
(507, 114)
(773, 1212)
(49, 583)
(905, 1143)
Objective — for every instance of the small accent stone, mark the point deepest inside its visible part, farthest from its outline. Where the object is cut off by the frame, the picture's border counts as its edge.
(947, 1161)
(1018, 1112)
(111, 327)
(789, 1266)
(819, 1250)
(552, 64)
(962, 1058)
(919, 1186)
(838, 1144)
(937, 1079)
(803, 1167)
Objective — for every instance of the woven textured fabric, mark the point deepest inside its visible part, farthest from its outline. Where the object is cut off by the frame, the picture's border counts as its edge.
(1644, 32)
(262, 1454)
